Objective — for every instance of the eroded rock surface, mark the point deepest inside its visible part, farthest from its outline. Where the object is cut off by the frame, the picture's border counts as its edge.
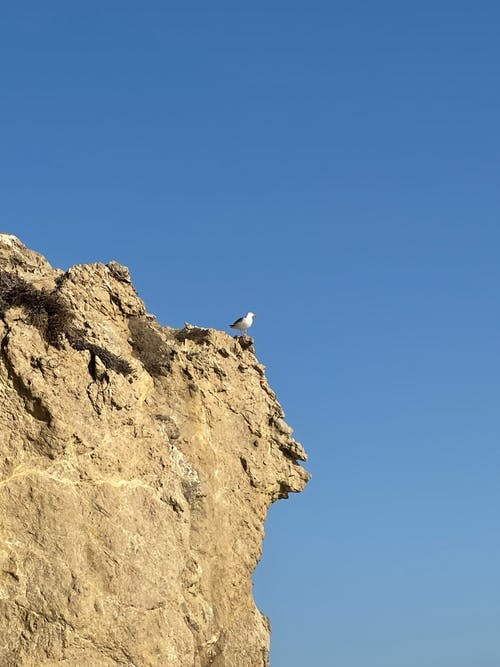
(137, 466)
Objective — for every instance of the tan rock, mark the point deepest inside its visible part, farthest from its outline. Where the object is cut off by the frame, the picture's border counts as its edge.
(137, 466)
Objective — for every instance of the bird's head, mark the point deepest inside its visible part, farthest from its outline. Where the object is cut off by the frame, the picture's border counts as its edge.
(250, 314)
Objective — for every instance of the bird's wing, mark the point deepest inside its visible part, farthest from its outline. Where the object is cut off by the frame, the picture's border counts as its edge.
(238, 321)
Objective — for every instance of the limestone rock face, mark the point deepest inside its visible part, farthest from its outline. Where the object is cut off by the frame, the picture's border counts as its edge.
(137, 466)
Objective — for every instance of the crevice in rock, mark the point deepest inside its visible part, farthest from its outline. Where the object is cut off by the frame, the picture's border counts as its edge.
(34, 404)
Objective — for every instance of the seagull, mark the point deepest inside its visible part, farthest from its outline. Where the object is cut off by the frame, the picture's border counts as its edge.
(243, 323)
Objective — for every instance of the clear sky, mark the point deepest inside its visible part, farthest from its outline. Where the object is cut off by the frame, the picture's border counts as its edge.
(334, 167)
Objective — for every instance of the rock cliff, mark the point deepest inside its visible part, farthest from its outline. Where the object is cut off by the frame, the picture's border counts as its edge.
(137, 466)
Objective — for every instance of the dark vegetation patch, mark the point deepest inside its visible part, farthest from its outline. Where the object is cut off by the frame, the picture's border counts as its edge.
(77, 340)
(46, 310)
(196, 334)
(149, 347)
(49, 313)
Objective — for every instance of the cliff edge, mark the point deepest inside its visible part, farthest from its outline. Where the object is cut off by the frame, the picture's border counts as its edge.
(137, 466)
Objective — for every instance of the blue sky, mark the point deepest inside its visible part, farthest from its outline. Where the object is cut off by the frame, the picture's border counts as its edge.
(334, 167)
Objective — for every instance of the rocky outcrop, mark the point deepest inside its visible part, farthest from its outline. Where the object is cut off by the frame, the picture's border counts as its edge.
(137, 466)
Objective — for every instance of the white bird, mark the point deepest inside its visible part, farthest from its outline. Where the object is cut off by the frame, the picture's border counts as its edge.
(243, 323)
